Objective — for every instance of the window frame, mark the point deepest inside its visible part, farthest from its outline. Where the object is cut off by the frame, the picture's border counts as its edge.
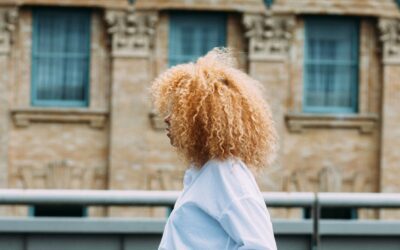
(354, 108)
(59, 103)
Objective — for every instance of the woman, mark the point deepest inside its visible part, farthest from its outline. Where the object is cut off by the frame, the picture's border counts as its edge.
(219, 122)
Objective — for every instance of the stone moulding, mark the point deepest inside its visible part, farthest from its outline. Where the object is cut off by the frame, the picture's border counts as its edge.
(269, 36)
(8, 19)
(24, 117)
(132, 33)
(390, 37)
(298, 122)
(207, 5)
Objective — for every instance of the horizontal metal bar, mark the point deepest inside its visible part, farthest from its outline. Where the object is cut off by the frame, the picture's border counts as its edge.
(87, 197)
(120, 225)
(281, 199)
(121, 198)
(81, 225)
(168, 198)
(359, 227)
(293, 227)
(359, 200)
(156, 226)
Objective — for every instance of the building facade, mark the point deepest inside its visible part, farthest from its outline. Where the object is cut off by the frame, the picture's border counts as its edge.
(75, 109)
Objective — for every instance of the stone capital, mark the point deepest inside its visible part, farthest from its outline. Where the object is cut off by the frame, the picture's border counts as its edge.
(132, 32)
(390, 38)
(269, 36)
(8, 20)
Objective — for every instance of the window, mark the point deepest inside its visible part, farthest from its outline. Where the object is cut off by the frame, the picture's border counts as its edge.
(60, 57)
(331, 65)
(268, 3)
(194, 34)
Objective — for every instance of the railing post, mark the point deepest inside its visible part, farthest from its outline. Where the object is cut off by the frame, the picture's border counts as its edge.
(169, 210)
(316, 211)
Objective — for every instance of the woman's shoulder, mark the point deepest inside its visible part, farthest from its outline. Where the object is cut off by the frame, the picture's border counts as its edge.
(217, 184)
(230, 173)
(227, 167)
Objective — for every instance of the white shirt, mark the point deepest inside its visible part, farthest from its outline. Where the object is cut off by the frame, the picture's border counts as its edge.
(221, 207)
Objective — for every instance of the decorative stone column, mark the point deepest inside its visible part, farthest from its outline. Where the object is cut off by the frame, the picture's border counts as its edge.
(269, 41)
(8, 19)
(132, 35)
(390, 138)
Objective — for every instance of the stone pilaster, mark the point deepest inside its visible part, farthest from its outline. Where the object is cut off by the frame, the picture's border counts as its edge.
(8, 19)
(269, 43)
(390, 139)
(132, 35)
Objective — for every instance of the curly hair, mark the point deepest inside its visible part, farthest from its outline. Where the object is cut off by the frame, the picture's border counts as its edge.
(216, 111)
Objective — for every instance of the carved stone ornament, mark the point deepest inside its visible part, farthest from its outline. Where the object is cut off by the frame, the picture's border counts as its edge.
(62, 174)
(269, 36)
(132, 32)
(390, 37)
(327, 178)
(8, 19)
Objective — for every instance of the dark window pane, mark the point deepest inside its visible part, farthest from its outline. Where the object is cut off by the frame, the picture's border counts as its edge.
(61, 53)
(331, 65)
(194, 34)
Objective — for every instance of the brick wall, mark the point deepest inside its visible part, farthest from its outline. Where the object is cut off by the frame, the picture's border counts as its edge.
(119, 144)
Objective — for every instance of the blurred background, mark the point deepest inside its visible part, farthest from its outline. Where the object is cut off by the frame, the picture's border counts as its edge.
(75, 109)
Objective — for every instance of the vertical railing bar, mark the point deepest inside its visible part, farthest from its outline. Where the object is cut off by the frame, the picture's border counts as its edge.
(316, 210)
(122, 242)
(169, 210)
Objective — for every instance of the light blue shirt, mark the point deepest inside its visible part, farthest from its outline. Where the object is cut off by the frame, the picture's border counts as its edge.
(221, 207)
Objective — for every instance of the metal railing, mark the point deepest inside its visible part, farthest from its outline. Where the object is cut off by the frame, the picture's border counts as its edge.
(168, 198)
(289, 232)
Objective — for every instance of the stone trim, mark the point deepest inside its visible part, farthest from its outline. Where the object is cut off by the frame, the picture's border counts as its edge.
(70, 3)
(253, 6)
(132, 32)
(8, 19)
(298, 122)
(390, 37)
(269, 35)
(23, 117)
(365, 8)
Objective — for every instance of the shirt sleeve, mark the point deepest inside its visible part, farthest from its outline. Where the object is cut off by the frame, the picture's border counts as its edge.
(248, 223)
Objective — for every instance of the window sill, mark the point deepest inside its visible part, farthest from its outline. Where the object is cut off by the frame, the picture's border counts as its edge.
(23, 117)
(298, 122)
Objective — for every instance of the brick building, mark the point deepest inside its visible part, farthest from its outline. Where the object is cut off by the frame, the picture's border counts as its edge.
(75, 110)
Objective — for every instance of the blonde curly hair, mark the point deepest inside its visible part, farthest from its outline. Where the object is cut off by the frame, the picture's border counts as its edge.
(216, 111)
